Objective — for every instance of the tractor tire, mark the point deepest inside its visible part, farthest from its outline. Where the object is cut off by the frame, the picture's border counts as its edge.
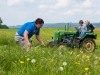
(88, 45)
(62, 46)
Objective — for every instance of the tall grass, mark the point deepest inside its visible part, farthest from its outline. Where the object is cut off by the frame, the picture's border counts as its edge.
(43, 60)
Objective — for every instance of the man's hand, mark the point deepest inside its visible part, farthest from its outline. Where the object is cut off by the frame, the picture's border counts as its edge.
(32, 45)
(28, 44)
(40, 40)
(89, 30)
(42, 44)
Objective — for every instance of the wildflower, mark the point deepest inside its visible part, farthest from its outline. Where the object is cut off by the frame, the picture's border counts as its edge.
(61, 60)
(70, 53)
(78, 55)
(88, 59)
(60, 53)
(95, 62)
(96, 57)
(77, 62)
(15, 61)
(64, 63)
(49, 59)
(33, 61)
(81, 52)
(28, 59)
(43, 51)
(61, 69)
(86, 69)
(25, 56)
(22, 62)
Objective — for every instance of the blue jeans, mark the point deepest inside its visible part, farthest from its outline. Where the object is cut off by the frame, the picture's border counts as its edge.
(83, 33)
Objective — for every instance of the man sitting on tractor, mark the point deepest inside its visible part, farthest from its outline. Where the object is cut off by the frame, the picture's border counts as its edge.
(81, 29)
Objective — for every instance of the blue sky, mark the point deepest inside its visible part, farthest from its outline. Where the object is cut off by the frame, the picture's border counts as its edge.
(17, 12)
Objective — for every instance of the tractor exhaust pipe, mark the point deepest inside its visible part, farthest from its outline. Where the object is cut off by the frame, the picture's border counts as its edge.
(67, 26)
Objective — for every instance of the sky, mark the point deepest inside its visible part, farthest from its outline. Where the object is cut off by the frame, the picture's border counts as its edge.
(18, 12)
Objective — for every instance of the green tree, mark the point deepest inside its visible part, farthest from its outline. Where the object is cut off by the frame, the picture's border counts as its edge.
(2, 26)
(0, 22)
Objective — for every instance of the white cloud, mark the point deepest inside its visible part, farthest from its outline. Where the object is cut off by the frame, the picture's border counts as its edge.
(61, 4)
(15, 2)
(72, 11)
(88, 12)
(98, 12)
(77, 10)
(50, 12)
(69, 12)
(56, 10)
(43, 6)
(87, 3)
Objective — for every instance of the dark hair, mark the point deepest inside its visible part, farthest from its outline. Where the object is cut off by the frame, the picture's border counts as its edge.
(81, 21)
(39, 21)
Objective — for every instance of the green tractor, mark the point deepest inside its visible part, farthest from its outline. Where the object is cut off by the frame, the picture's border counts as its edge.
(66, 38)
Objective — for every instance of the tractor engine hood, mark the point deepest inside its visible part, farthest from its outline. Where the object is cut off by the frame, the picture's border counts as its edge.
(59, 33)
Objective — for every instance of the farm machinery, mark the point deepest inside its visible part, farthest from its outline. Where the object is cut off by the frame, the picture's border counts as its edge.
(66, 38)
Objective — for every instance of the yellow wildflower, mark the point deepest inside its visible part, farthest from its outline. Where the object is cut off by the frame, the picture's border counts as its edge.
(77, 62)
(28, 59)
(86, 69)
(22, 62)
(78, 55)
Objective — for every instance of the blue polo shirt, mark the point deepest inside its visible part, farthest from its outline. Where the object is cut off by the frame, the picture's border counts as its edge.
(30, 27)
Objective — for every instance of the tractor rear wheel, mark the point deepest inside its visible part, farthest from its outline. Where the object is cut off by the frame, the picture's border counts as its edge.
(88, 45)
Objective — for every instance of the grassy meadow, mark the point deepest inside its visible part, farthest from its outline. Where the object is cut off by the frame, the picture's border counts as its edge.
(45, 61)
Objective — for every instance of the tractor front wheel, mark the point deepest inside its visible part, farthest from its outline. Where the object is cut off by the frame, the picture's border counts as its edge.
(62, 46)
(88, 45)
(50, 45)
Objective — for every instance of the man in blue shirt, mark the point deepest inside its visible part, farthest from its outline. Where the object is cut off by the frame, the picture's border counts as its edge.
(82, 29)
(24, 34)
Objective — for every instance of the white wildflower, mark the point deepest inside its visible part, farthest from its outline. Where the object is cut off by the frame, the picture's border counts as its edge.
(61, 69)
(33, 61)
(64, 63)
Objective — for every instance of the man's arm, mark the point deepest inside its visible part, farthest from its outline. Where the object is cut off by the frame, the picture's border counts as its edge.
(39, 39)
(26, 38)
(92, 27)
